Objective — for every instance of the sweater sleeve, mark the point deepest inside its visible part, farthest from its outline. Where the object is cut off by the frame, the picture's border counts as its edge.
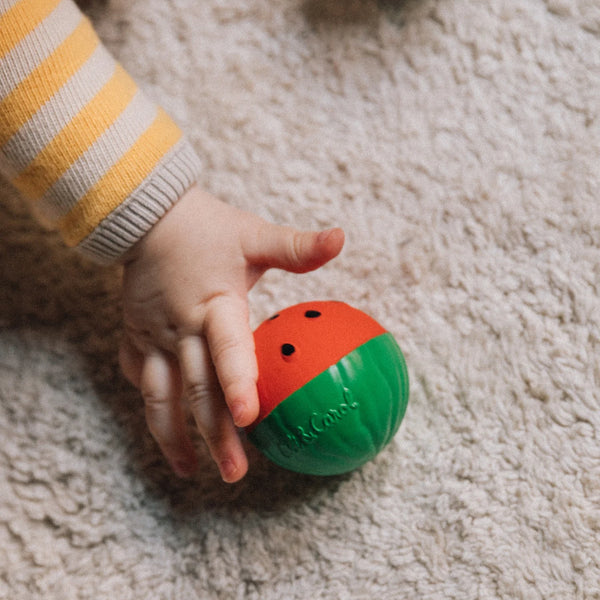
(95, 157)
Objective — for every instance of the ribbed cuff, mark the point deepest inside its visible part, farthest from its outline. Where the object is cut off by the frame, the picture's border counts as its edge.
(128, 223)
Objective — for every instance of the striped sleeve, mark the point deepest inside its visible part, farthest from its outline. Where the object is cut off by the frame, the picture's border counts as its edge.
(97, 159)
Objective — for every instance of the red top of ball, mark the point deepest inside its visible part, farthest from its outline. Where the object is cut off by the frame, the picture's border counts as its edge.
(302, 341)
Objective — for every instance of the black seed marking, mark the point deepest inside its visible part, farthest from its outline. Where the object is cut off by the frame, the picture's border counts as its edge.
(312, 314)
(273, 317)
(287, 349)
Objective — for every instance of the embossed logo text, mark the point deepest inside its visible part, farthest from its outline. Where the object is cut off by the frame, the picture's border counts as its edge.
(317, 424)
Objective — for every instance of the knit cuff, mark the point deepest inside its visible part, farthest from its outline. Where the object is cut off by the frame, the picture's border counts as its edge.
(138, 213)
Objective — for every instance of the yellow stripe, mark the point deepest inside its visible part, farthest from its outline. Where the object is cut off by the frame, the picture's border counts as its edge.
(83, 130)
(43, 82)
(21, 19)
(121, 180)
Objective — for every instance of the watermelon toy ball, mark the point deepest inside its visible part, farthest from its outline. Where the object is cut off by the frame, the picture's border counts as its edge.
(333, 388)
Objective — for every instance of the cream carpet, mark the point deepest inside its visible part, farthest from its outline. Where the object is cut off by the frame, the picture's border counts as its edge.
(458, 144)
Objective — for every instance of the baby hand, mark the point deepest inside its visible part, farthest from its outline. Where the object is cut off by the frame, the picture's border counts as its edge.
(187, 336)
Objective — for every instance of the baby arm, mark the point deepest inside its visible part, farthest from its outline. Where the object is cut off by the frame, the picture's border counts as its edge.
(96, 158)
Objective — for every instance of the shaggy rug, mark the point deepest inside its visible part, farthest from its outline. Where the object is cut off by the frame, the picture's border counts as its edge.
(458, 144)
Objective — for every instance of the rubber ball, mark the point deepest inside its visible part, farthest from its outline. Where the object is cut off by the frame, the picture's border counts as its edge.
(333, 388)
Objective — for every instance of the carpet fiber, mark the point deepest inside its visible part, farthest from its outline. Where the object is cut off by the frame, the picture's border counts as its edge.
(458, 144)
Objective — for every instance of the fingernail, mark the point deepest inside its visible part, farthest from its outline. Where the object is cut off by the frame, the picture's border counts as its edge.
(184, 467)
(228, 470)
(238, 411)
(325, 235)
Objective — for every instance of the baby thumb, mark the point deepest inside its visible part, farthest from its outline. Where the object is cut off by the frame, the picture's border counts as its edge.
(297, 251)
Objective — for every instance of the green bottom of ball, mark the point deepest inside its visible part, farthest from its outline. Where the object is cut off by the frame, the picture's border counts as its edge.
(342, 418)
